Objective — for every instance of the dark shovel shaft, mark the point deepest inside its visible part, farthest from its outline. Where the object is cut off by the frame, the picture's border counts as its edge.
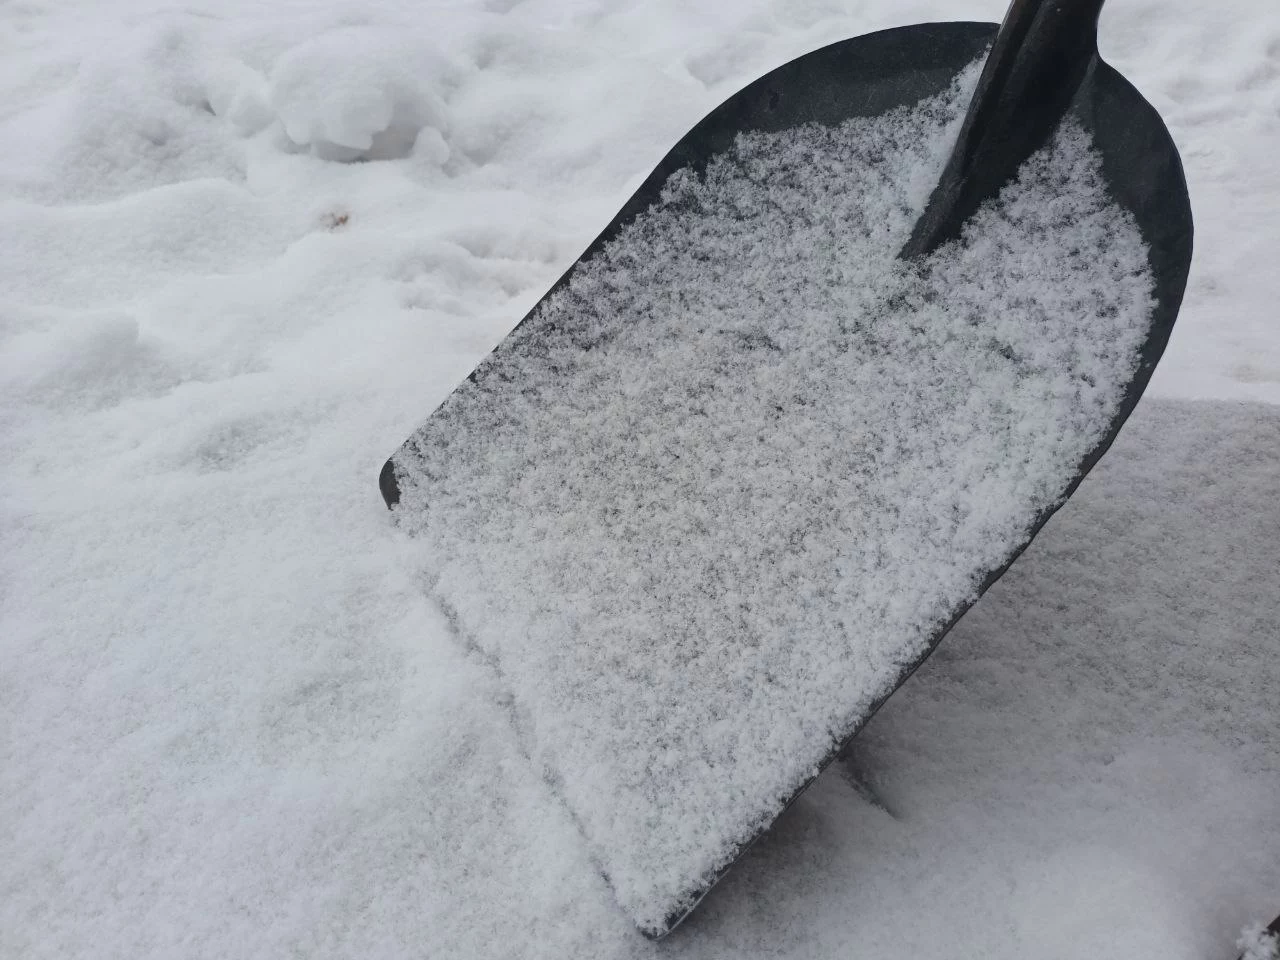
(1043, 52)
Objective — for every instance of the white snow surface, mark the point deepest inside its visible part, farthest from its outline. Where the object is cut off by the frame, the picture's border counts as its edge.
(245, 248)
(708, 503)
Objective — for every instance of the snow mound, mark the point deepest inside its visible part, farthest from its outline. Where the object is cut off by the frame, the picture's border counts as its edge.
(362, 93)
(140, 117)
(88, 364)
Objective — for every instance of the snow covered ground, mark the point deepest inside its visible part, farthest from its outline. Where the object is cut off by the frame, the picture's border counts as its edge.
(231, 723)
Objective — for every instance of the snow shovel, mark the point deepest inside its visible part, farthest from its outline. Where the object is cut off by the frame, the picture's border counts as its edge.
(805, 398)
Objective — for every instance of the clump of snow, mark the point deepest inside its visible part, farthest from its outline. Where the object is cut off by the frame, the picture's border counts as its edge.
(362, 93)
(706, 505)
(241, 95)
(1257, 943)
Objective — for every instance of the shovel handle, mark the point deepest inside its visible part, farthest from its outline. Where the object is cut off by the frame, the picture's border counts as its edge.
(1043, 52)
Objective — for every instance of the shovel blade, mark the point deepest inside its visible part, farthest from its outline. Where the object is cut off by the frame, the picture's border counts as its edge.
(471, 482)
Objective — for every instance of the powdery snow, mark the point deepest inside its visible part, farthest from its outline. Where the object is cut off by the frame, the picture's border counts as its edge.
(1258, 943)
(231, 722)
(706, 505)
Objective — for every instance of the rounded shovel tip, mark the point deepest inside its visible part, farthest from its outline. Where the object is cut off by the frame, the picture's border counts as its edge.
(388, 485)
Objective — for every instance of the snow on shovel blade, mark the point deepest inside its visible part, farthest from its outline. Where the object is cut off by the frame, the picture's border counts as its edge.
(733, 478)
